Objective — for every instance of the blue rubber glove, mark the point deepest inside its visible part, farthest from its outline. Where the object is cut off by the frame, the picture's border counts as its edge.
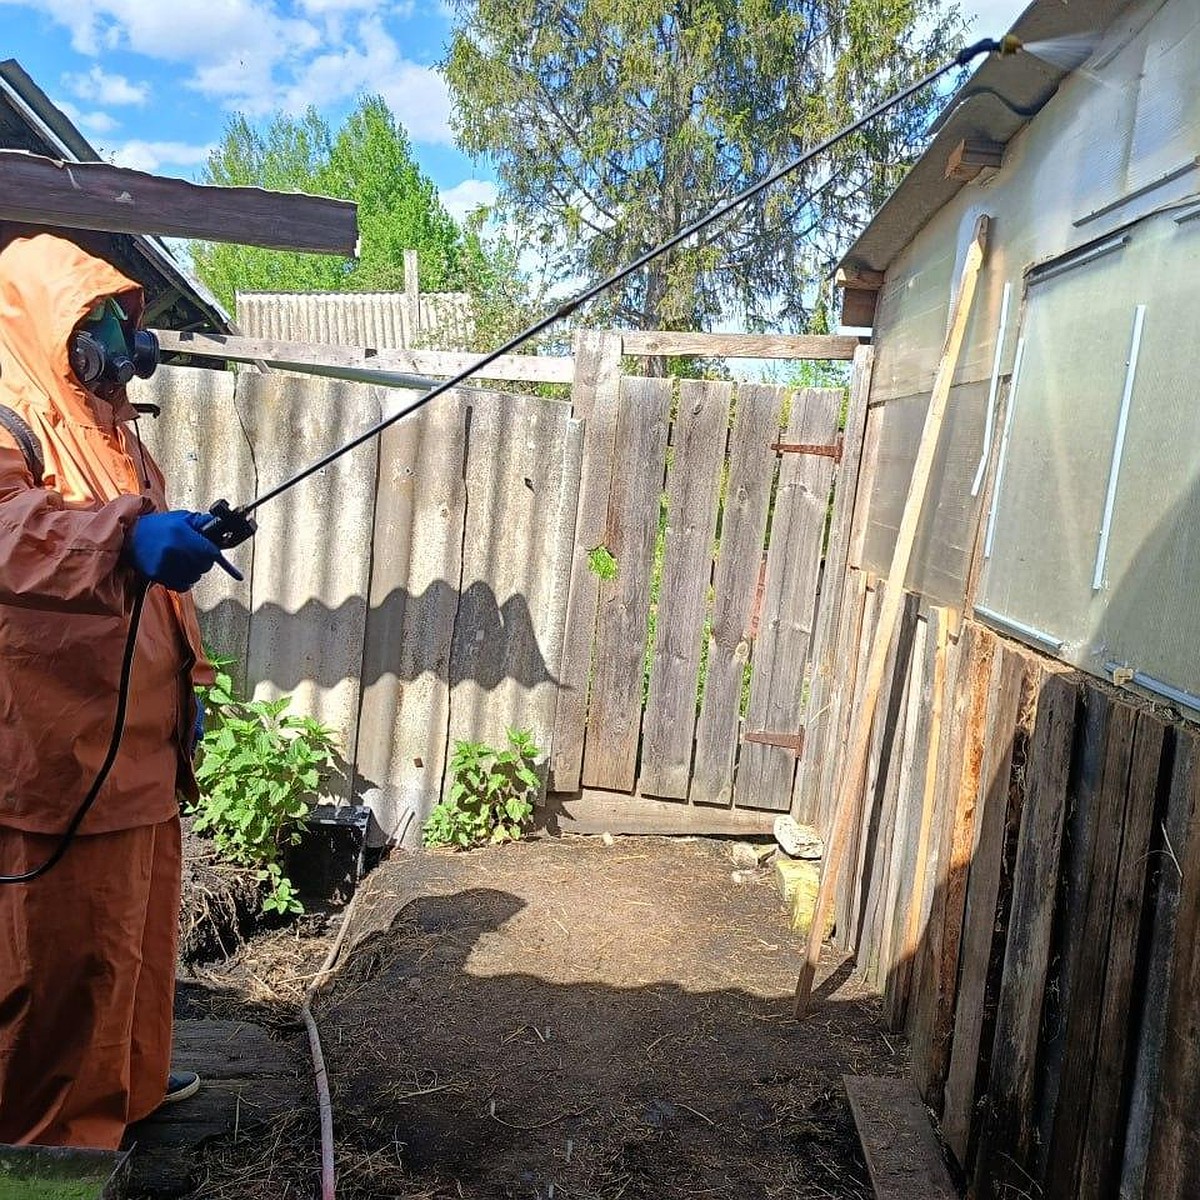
(169, 549)
(198, 728)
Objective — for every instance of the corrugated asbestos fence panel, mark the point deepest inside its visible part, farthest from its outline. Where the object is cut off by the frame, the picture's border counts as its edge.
(310, 605)
(615, 715)
(381, 320)
(766, 773)
(522, 484)
(415, 577)
(202, 448)
(693, 489)
(735, 587)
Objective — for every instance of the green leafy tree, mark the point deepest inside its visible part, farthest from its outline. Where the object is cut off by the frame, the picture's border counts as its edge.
(369, 160)
(615, 123)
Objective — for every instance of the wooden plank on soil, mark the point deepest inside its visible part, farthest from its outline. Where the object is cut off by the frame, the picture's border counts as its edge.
(1103, 1139)
(693, 489)
(1173, 1167)
(1010, 669)
(1167, 847)
(898, 1140)
(824, 681)
(743, 532)
(615, 715)
(1008, 1129)
(595, 812)
(594, 397)
(914, 909)
(765, 773)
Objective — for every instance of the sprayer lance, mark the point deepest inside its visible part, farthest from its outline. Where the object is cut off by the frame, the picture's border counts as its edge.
(232, 526)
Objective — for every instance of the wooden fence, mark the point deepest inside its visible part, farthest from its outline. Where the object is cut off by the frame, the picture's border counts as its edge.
(1027, 881)
(449, 579)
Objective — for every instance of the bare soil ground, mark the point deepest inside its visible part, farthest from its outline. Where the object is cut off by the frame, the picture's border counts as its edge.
(561, 1020)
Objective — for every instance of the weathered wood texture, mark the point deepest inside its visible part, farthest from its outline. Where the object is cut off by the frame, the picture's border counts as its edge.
(97, 195)
(766, 773)
(527, 368)
(615, 716)
(591, 811)
(735, 585)
(821, 710)
(740, 345)
(898, 1141)
(594, 399)
(693, 490)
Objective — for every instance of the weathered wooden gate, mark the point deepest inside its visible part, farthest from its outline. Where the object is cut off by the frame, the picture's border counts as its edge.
(702, 514)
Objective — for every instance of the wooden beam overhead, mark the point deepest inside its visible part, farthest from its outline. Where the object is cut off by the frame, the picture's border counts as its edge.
(859, 277)
(858, 307)
(74, 195)
(973, 156)
(739, 345)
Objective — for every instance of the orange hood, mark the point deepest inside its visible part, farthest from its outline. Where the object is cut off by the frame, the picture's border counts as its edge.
(47, 286)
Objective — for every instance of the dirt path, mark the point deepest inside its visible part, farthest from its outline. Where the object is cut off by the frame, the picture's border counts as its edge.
(564, 1020)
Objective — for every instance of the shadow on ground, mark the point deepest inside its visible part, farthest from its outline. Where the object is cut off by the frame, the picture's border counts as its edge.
(565, 1020)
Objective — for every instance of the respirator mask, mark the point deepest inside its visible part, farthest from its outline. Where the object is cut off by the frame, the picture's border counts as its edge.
(103, 352)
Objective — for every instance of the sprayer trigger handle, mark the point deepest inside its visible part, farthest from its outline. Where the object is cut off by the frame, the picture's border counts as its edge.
(228, 527)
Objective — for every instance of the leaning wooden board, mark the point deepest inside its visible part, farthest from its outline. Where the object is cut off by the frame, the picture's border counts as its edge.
(898, 1141)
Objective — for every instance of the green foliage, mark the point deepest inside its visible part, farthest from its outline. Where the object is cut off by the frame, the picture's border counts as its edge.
(258, 768)
(369, 159)
(614, 124)
(492, 796)
(602, 563)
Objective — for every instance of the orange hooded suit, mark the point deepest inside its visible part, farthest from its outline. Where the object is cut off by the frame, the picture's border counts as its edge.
(87, 952)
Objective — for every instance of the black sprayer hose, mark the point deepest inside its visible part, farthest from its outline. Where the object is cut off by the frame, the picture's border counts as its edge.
(114, 745)
(568, 307)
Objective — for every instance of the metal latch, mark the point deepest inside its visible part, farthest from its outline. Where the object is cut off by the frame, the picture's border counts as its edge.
(834, 451)
(785, 741)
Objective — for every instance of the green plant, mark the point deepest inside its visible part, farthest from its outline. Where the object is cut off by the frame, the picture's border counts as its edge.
(602, 563)
(259, 765)
(492, 795)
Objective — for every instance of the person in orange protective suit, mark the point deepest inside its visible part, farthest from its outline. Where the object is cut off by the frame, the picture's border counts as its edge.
(88, 950)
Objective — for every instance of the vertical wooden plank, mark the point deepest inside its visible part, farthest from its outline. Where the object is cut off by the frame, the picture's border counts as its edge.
(819, 712)
(1173, 1166)
(841, 692)
(867, 470)
(1167, 848)
(1094, 829)
(893, 971)
(594, 397)
(933, 1034)
(743, 532)
(911, 914)
(765, 773)
(693, 488)
(1010, 670)
(615, 715)
(892, 753)
(1007, 1138)
(1113, 1063)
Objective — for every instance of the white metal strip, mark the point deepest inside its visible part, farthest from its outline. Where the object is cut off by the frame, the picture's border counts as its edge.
(992, 390)
(1008, 420)
(1114, 471)
(1046, 640)
(1184, 699)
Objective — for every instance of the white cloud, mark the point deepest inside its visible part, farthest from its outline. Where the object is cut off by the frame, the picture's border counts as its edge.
(89, 122)
(97, 86)
(152, 156)
(461, 200)
(991, 18)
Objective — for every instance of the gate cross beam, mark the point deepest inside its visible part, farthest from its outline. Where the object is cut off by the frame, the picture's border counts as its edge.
(785, 741)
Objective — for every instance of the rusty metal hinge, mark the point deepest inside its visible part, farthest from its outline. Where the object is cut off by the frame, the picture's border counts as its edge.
(834, 451)
(785, 741)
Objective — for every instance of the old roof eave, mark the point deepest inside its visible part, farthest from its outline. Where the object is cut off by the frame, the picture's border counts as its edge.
(999, 100)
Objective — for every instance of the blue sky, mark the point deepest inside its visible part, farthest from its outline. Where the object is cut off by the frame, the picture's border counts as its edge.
(152, 82)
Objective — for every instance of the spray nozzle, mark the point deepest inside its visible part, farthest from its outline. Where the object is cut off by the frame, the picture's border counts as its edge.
(1008, 44)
